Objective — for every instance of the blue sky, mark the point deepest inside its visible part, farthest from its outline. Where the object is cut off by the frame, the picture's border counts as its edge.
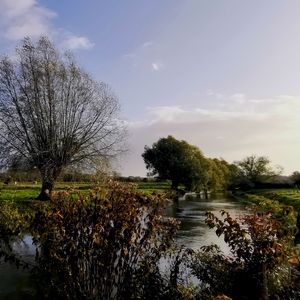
(223, 75)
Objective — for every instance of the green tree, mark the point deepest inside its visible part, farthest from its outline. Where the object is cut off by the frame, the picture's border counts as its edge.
(53, 114)
(255, 169)
(295, 178)
(219, 174)
(177, 161)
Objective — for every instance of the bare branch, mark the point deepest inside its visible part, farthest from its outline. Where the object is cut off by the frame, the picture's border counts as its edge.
(53, 113)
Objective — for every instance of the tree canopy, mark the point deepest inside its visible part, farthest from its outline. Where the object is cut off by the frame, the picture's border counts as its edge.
(177, 161)
(53, 114)
(219, 174)
(255, 169)
(186, 165)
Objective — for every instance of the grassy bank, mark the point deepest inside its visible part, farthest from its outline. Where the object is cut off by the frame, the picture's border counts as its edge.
(284, 205)
(288, 197)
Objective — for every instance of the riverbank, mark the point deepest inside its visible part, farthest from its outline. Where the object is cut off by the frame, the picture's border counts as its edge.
(191, 211)
(288, 197)
(283, 204)
(271, 198)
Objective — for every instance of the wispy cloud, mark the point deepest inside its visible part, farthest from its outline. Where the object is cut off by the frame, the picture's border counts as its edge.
(211, 93)
(156, 66)
(147, 44)
(77, 42)
(179, 115)
(22, 18)
(144, 55)
(129, 56)
(238, 98)
(261, 126)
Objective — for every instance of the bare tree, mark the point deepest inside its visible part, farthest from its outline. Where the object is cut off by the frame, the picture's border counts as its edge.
(53, 114)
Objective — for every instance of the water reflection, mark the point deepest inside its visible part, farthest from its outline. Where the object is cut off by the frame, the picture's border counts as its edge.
(15, 283)
(190, 211)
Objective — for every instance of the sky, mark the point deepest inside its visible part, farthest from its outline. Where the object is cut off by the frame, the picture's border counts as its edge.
(223, 75)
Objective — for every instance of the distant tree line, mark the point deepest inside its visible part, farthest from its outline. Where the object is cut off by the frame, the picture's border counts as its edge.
(185, 165)
(180, 163)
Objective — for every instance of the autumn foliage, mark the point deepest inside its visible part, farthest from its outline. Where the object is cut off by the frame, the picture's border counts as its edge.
(114, 243)
(101, 246)
(256, 266)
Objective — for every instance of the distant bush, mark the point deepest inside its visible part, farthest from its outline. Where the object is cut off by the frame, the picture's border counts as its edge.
(273, 185)
(20, 176)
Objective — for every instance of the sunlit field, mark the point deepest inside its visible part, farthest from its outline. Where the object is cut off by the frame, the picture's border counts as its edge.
(284, 196)
(28, 191)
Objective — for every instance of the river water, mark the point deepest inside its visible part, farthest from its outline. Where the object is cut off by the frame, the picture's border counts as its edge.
(189, 210)
(15, 283)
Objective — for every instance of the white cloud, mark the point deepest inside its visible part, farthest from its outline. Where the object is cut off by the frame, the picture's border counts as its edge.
(22, 18)
(15, 8)
(270, 127)
(180, 115)
(156, 66)
(288, 106)
(77, 42)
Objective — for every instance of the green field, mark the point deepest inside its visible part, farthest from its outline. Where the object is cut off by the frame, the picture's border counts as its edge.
(28, 191)
(150, 187)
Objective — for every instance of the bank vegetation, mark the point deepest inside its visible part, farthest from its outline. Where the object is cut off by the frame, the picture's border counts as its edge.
(111, 243)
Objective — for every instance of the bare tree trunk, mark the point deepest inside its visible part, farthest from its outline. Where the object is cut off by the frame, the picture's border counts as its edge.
(46, 191)
(49, 176)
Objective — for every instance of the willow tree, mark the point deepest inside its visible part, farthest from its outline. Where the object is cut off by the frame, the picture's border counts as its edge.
(177, 161)
(53, 114)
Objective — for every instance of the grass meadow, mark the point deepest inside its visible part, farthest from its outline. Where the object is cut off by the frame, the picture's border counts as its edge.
(27, 191)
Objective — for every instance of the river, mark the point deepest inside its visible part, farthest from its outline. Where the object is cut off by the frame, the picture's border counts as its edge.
(189, 210)
(15, 283)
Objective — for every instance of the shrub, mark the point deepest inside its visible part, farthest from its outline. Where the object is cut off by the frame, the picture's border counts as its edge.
(104, 246)
(285, 214)
(258, 257)
(12, 223)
